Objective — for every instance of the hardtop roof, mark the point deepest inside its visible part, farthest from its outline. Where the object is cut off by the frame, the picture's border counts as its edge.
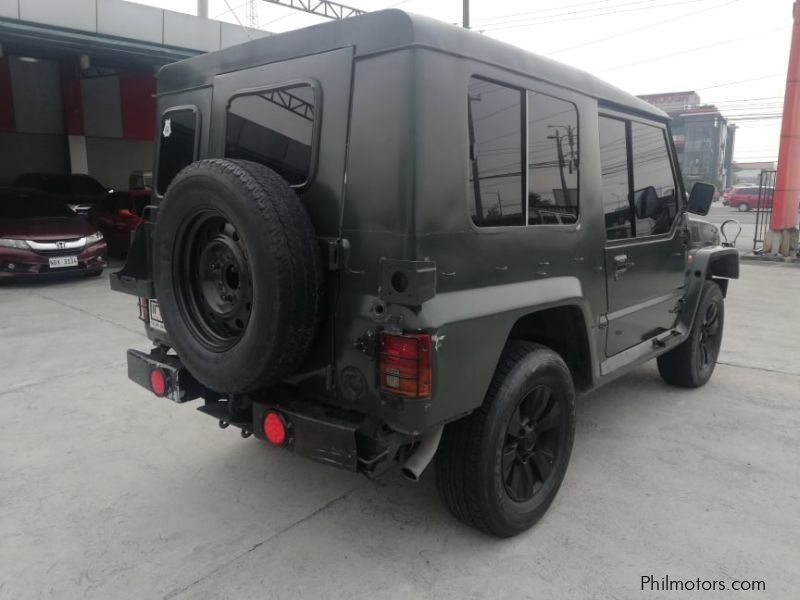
(388, 30)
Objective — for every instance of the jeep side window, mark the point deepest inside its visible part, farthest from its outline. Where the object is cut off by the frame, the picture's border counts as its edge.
(614, 173)
(495, 154)
(177, 143)
(655, 195)
(275, 128)
(552, 160)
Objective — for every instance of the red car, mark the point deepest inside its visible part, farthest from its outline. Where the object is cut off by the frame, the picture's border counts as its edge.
(116, 216)
(745, 198)
(39, 235)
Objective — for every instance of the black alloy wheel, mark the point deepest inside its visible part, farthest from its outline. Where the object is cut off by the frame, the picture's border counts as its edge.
(709, 339)
(532, 444)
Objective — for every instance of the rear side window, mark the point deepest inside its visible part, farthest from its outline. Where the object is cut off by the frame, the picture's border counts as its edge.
(275, 128)
(495, 154)
(177, 145)
(552, 160)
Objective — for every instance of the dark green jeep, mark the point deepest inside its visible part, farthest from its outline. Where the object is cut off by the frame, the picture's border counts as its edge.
(385, 239)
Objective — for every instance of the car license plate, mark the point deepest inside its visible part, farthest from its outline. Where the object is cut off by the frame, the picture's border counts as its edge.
(63, 261)
(155, 317)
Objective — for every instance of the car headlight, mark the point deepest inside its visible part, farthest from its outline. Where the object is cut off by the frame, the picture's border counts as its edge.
(11, 243)
(94, 238)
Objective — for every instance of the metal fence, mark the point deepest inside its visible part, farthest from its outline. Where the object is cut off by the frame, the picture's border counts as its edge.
(766, 193)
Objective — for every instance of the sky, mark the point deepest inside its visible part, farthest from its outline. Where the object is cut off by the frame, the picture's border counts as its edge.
(734, 53)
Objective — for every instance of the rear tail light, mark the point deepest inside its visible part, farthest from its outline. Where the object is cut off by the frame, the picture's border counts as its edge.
(158, 382)
(274, 428)
(405, 364)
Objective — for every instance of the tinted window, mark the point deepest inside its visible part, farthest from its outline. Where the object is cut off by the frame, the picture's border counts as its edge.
(274, 128)
(63, 184)
(614, 170)
(177, 145)
(655, 195)
(33, 208)
(552, 160)
(495, 154)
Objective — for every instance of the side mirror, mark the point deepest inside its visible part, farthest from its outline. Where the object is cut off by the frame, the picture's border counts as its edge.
(648, 204)
(701, 198)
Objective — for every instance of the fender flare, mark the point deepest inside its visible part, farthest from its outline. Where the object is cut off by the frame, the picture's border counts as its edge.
(708, 263)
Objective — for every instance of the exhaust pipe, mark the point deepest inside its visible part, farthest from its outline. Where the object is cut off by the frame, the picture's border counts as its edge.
(428, 443)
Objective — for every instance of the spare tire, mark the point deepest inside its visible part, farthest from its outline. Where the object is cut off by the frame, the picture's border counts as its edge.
(237, 273)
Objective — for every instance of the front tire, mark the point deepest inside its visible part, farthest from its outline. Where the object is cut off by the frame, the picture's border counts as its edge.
(500, 468)
(743, 207)
(691, 364)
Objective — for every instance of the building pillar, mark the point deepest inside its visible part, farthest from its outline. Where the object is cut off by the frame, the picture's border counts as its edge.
(783, 236)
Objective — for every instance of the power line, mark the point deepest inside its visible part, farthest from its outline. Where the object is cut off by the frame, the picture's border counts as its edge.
(729, 83)
(689, 50)
(584, 16)
(507, 16)
(588, 12)
(638, 29)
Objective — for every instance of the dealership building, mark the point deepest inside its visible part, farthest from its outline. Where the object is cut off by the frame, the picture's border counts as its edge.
(77, 82)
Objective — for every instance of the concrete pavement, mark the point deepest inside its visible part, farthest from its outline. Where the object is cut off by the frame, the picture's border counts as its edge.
(109, 492)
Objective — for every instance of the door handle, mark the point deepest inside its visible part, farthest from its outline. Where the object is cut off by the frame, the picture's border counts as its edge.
(621, 264)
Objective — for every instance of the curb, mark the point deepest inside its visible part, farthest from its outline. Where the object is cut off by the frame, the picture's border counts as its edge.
(786, 260)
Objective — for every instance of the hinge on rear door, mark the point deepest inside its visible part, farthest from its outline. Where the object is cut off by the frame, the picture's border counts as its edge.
(336, 252)
(678, 308)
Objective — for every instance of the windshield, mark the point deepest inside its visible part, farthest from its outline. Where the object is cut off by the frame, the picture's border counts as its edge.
(33, 208)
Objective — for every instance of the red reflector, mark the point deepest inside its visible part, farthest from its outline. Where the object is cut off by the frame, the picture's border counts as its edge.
(144, 310)
(405, 365)
(158, 383)
(274, 429)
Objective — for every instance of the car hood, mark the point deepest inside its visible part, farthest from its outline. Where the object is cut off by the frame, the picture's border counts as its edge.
(45, 229)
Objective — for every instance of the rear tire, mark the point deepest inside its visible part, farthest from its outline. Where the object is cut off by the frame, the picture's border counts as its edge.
(500, 468)
(743, 207)
(691, 364)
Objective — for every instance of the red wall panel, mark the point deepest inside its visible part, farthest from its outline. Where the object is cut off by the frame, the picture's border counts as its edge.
(7, 124)
(136, 92)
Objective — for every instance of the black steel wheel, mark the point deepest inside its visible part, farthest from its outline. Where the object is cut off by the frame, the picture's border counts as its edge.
(692, 363)
(213, 280)
(500, 468)
(237, 272)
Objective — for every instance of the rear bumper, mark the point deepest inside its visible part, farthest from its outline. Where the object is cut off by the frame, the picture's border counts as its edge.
(323, 433)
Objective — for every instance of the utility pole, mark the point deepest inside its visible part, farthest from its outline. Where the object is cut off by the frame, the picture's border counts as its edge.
(560, 153)
(202, 8)
(465, 20)
(783, 225)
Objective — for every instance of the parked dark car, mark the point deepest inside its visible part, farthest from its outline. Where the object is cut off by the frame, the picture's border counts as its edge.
(385, 239)
(80, 192)
(39, 235)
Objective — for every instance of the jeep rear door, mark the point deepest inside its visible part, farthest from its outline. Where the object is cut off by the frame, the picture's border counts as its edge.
(293, 117)
(645, 251)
